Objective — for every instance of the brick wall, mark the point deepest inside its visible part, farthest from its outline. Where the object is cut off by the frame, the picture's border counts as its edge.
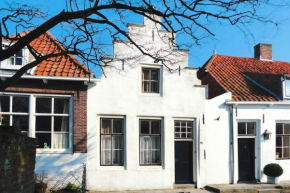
(17, 161)
(79, 92)
(214, 88)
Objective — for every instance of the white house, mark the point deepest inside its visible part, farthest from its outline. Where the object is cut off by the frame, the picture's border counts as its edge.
(145, 119)
(248, 98)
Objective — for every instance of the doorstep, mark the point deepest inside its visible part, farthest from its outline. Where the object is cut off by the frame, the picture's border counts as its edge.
(282, 187)
(184, 188)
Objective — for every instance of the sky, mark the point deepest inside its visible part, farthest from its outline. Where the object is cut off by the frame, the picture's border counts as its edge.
(228, 40)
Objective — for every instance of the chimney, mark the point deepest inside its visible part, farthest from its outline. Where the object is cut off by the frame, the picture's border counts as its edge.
(151, 24)
(263, 51)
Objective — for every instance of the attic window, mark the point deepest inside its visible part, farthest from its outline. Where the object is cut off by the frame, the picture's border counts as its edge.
(17, 59)
(287, 86)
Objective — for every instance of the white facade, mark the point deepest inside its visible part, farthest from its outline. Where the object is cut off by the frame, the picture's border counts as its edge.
(220, 158)
(120, 95)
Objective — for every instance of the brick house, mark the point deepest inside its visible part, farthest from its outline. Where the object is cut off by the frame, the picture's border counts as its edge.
(247, 116)
(49, 102)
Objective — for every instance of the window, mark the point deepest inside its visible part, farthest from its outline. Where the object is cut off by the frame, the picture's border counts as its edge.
(17, 59)
(44, 117)
(247, 128)
(183, 129)
(112, 142)
(150, 80)
(150, 142)
(52, 122)
(287, 86)
(282, 140)
(14, 111)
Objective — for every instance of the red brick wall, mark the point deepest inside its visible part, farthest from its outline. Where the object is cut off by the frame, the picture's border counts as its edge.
(214, 88)
(79, 92)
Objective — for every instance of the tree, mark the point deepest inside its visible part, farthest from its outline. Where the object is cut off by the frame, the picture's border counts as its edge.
(85, 23)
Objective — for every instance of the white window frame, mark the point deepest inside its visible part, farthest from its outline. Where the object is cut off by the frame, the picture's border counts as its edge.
(153, 67)
(6, 64)
(281, 135)
(112, 134)
(32, 118)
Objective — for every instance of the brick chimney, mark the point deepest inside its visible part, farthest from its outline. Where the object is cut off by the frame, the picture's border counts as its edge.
(263, 51)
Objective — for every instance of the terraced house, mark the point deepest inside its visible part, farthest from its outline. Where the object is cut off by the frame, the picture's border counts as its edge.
(247, 116)
(49, 102)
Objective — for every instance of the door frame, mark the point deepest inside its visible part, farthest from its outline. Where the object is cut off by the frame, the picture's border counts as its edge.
(257, 147)
(194, 148)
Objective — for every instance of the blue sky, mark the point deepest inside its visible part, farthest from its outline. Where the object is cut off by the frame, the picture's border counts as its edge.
(228, 40)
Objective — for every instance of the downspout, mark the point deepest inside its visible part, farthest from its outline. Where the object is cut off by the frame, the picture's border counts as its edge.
(232, 161)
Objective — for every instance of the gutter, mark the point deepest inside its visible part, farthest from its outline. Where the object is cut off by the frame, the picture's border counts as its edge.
(232, 155)
(270, 103)
(45, 78)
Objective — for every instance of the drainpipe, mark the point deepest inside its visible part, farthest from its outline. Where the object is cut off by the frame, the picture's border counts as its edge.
(232, 161)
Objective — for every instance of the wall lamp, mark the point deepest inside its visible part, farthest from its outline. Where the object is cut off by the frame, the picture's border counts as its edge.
(267, 135)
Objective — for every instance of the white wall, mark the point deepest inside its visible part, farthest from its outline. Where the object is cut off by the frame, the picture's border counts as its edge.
(218, 138)
(61, 168)
(121, 95)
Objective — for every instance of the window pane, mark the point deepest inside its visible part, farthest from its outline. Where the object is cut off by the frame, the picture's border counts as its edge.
(183, 135)
(189, 124)
(61, 124)
(20, 104)
(61, 106)
(278, 141)
(177, 135)
(154, 74)
(189, 135)
(155, 87)
(189, 129)
(183, 124)
(43, 105)
(155, 142)
(155, 157)
(44, 140)
(117, 157)
(286, 128)
(287, 91)
(251, 129)
(5, 120)
(144, 157)
(286, 152)
(145, 86)
(4, 103)
(18, 61)
(61, 140)
(177, 129)
(12, 60)
(43, 123)
(144, 142)
(177, 123)
(279, 128)
(106, 157)
(183, 129)
(106, 126)
(241, 128)
(117, 126)
(279, 152)
(106, 150)
(20, 121)
(106, 142)
(145, 74)
(145, 127)
(155, 127)
(117, 142)
(286, 141)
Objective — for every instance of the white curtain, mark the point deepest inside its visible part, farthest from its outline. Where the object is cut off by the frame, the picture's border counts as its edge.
(144, 150)
(106, 150)
(61, 140)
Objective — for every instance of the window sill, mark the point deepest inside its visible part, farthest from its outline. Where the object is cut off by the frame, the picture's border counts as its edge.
(54, 151)
(282, 158)
(112, 168)
(150, 94)
(11, 67)
(150, 167)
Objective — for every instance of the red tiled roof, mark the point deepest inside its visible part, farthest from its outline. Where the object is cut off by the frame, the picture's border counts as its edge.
(248, 79)
(65, 66)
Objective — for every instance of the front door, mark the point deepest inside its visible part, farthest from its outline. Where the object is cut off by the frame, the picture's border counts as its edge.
(183, 162)
(246, 159)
